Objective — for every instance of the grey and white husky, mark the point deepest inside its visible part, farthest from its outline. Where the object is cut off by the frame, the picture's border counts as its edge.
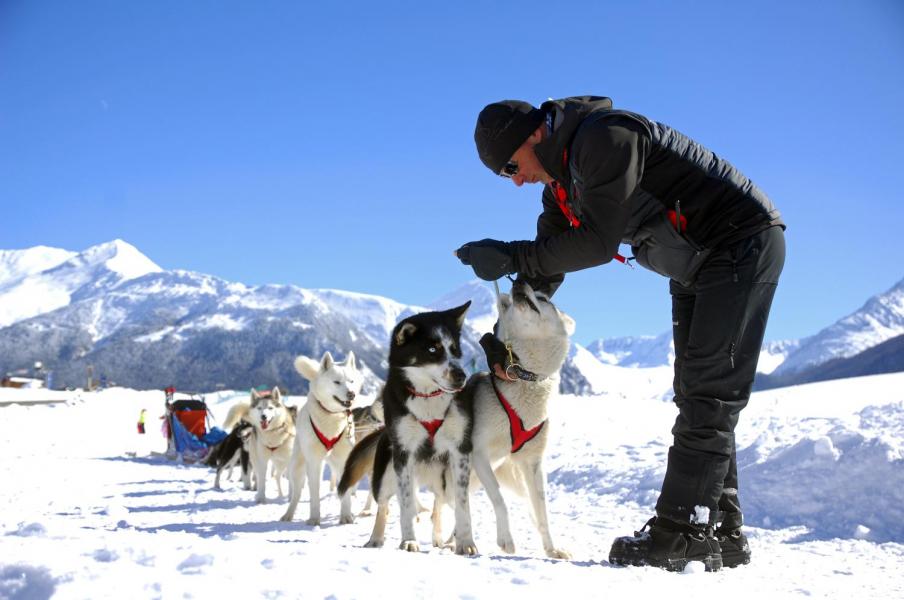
(272, 438)
(510, 415)
(427, 438)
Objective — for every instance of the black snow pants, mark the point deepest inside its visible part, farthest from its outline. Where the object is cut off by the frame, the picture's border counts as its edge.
(718, 327)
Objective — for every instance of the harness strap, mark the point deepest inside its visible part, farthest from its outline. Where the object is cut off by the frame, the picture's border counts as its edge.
(562, 200)
(431, 427)
(520, 436)
(413, 392)
(327, 442)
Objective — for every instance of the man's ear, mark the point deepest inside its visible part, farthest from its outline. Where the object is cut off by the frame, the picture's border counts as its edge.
(537, 136)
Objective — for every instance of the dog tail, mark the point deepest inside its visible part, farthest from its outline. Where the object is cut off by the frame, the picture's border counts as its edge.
(360, 462)
(236, 413)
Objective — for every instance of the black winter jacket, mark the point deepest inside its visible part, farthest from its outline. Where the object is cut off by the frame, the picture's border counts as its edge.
(623, 174)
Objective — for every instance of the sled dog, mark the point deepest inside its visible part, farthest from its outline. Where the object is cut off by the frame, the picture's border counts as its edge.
(325, 430)
(231, 451)
(427, 432)
(510, 417)
(271, 439)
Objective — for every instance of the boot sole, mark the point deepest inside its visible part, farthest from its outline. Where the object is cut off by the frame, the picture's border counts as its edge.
(711, 563)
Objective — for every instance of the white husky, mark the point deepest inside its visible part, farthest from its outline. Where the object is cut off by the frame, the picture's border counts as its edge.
(510, 429)
(326, 430)
(274, 432)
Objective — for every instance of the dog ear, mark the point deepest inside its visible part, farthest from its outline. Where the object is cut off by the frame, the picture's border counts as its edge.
(327, 362)
(404, 333)
(275, 394)
(459, 314)
(350, 361)
(307, 367)
(568, 322)
(253, 394)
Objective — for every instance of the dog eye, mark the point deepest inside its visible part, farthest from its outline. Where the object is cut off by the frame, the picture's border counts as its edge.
(432, 349)
(336, 382)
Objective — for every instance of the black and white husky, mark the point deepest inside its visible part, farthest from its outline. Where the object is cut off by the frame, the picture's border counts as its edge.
(427, 438)
(232, 450)
(510, 429)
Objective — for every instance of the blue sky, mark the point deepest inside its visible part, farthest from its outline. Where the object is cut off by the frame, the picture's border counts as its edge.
(330, 144)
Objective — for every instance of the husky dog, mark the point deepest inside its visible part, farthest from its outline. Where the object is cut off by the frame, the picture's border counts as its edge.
(510, 431)
(428, 429)
(233, 449)
(271, 438)
(325, 430)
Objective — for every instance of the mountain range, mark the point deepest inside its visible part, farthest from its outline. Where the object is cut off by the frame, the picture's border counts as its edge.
(111, 312)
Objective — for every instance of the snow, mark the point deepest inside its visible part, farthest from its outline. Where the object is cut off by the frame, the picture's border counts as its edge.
(92, 512)
(40, 280)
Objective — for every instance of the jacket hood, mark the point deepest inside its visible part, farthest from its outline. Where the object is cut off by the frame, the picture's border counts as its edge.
(567, 115)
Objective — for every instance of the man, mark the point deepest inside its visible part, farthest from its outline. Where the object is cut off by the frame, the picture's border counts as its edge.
(611, 177)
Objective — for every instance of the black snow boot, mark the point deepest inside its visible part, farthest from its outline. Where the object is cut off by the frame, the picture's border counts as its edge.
(668, 545)
(735, 549)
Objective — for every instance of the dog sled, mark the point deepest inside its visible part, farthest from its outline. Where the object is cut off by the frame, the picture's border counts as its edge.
(189, 435)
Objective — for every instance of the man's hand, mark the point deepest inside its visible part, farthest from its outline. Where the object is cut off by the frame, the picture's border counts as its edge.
(497, 355)
(490, 259)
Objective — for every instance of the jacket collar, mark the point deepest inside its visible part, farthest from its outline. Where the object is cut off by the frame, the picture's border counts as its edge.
(564, 118)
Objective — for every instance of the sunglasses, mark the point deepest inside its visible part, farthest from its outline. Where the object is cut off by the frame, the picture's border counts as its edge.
(509, 170)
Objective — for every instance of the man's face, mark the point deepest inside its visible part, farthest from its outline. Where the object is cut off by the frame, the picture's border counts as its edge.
(529, 168)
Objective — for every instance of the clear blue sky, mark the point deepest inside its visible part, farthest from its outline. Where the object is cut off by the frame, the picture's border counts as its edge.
(330, 144)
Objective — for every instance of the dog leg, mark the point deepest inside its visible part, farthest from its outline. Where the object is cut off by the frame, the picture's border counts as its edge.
(378, 535)
(216, 482)
(487, 478)
(315, 472)
(368, 506)
(536, 488)
(337, 460)
(259, 460)
(437, 519)
(296, 483)
(404, 468)
(461, 478)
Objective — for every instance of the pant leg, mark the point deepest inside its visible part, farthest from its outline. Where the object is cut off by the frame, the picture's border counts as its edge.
(719, 348)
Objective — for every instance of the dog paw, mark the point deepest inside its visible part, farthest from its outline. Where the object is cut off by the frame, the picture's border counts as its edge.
(465, 548)
(409, 546)
(313, 522)
(286, 518)
(506, 544)
(366, 513)
(346, 519)
(558, 553)
(438, 543)
(374, 543)
(260, 499)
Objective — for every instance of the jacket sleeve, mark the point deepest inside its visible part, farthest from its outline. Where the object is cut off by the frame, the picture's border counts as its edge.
(607, 165)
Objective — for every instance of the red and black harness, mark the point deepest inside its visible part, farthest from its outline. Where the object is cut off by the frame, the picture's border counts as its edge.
(519, 434)
(431, 426)
(328, 443)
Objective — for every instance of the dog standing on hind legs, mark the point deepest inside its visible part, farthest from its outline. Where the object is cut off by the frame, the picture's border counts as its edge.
(428, 429)
(325, 430)
(510, 429)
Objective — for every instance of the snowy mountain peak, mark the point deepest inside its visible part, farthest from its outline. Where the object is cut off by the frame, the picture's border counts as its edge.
(880, 319)
(120, 257)
(482, 314)
(16, 264)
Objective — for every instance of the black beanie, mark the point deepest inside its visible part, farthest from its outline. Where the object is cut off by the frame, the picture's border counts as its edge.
(501, 129)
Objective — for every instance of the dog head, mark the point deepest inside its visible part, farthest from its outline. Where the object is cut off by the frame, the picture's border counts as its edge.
(335, 385)
(426, 348)
(537, 330)
(267, 409)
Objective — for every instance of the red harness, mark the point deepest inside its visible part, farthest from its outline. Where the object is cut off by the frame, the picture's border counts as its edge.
(431, 427)
(327, 442)
(520, 436)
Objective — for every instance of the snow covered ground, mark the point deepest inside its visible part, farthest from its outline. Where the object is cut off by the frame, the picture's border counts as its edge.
(89, 511)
